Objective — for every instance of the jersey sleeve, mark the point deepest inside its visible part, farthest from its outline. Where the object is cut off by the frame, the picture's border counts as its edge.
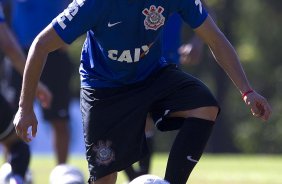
(75, 20)
(2, 17)
(192, 12)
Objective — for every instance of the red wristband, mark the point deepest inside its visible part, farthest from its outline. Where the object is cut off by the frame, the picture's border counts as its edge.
(246, 93)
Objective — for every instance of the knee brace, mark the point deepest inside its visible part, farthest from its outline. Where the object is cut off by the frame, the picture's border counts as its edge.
(170, 123)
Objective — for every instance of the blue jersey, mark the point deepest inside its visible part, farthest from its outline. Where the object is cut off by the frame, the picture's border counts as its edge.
(172, 43)
(29, 17)
(2, 17)
(124, 37)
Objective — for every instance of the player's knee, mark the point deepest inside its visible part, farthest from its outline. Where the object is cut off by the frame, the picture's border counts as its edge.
(176, 119)
(208, 113)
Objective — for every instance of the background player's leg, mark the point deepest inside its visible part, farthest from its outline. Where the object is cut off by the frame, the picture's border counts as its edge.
(146, 161)
(19, 157)
(61, 139)
(131, 173)
(58, 114)
(17, 151)
(18, 154)
(109, 179)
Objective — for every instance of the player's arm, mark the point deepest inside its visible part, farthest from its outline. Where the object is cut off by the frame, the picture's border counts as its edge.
(60, 31)
(46, 42)
(227, 58)
(224, 53)
(11, 49)
(191, 52)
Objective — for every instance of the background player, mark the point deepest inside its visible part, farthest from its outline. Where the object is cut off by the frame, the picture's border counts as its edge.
(18, 152)
(57, 72)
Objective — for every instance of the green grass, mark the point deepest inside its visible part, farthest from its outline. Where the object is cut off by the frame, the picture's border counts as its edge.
(212, 169)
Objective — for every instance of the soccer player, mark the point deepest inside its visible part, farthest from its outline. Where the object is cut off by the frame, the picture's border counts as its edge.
(174, 52)
(56, 74)
(18, 151)
(124, 76)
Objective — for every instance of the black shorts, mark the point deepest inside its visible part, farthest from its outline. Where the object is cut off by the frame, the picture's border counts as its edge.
(56, 76)
(6, 118)
(114, 118)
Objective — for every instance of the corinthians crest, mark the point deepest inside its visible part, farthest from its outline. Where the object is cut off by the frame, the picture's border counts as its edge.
(104, 153)
(154, 18)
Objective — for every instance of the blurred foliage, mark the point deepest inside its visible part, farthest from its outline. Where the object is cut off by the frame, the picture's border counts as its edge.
(259, 32)
(254, 27)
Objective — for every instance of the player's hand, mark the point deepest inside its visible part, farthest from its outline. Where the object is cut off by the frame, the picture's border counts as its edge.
(44, 95)
(23, 121)
(191, 53)
(259, 105)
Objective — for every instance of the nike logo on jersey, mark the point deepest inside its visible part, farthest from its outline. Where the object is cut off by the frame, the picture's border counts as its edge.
(191, 159)
(113, 24)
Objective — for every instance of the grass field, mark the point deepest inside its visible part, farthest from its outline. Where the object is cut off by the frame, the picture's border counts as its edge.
(212, 169)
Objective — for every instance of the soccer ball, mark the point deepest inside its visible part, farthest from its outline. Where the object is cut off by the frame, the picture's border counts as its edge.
(5, 173)
(148, 179)
(66, 174)
(7, 177)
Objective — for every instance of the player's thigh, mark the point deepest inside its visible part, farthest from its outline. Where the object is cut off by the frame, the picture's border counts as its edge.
(208, 113)
(114, 124)
(185, 96)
